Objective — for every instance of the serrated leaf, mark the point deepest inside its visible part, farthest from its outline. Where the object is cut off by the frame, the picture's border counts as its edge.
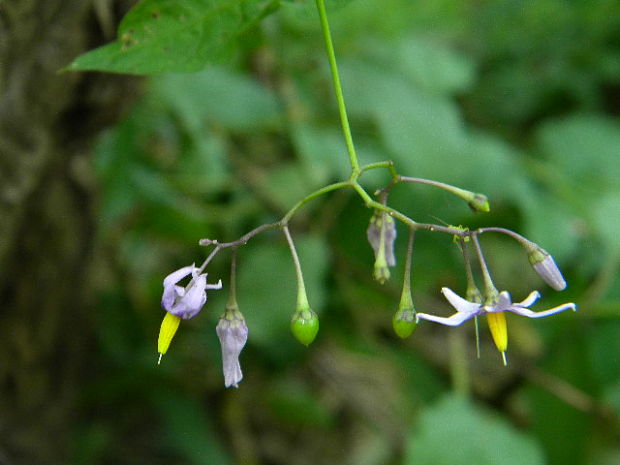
(159, 36)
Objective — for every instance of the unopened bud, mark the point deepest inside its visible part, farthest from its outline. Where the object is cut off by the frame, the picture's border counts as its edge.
(404, 322)
(479, 203)
(233, 334)
(168, 328)
(305, 325)
(545, 266)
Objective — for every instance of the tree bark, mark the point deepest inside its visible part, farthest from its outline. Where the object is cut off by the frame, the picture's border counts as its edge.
(48, 123)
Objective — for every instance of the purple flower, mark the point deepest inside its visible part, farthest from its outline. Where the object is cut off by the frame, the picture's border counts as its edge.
(186, 302)
(466, 310)
(233, 334)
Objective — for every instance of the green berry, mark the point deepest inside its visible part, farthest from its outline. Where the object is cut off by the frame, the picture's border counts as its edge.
(404, 322)
(305, 326)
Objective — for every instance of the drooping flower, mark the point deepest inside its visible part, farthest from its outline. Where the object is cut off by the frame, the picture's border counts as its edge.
(186, 302)
(233, 334)
(465, 310)
(181, 302)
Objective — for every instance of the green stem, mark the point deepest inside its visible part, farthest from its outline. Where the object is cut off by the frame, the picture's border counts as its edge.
(462, 193)
(232, 291)
(302, 298)
(381, 164)
(405, 298)
(489, 288)
(317, 193)
(344, 120)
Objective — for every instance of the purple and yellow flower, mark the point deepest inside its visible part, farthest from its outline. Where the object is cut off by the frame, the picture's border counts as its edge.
(181, 302)
(494, 310)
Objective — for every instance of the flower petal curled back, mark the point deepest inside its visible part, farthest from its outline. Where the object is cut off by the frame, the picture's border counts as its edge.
(465, 310)
(552, 311)
(171, 291)
(505, 304)
(191, 303)
(186, 302)
(454, 320)
(459, 303)
(233, 335)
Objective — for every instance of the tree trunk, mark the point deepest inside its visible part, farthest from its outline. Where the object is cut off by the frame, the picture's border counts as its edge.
(48, 122)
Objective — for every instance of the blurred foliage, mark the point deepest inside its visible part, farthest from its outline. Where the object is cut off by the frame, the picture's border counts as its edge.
(516, 99)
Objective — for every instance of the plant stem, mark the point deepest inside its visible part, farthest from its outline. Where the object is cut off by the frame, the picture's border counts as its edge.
(317, 193)
(232, 292)
(344, 120)
(405, 299)
(302, 298)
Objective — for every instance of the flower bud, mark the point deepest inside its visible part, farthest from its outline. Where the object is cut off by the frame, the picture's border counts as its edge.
(545, 266)
(305, 325)
(168, 328)
(479, 203)
(404, 322)
(233, 334)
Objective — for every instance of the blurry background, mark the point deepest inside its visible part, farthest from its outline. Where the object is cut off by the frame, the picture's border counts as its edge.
(515, 99)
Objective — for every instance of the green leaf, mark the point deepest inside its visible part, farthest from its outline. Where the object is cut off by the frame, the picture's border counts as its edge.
(217, 96)
(434, 66)
(323, 152)
(455, 431)
(607, 219)
(159, 36)
(188, 428)
(585, 147)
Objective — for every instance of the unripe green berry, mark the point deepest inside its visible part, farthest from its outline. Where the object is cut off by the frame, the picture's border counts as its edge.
(404, 322)
(305, 326)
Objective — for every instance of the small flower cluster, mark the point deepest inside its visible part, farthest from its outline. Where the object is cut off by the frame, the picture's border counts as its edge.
(186, 302)
(382, 234)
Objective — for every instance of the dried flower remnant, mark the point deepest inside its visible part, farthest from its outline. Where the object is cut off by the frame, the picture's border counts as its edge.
(381, 234)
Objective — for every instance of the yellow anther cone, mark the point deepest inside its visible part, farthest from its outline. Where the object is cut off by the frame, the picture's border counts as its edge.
(499, 331)
(167, 331)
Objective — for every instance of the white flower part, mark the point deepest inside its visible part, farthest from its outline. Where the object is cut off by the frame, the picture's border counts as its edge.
(233, 334)
(465, 310)
(548, 270)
